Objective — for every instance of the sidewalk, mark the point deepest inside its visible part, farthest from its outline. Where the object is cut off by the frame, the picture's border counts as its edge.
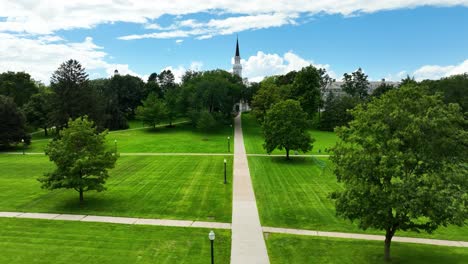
(248, 245)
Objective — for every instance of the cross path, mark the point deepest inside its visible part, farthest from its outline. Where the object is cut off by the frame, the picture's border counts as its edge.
(248, 245)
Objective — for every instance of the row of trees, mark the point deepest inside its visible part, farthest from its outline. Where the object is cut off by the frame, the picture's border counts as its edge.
(207, 98)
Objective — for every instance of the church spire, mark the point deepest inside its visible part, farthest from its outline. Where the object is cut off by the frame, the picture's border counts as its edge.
(237, 47)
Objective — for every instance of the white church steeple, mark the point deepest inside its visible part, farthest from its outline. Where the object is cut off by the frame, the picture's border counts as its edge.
(237, 67)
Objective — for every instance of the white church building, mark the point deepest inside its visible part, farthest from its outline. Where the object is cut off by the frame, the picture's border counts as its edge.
(242, 106)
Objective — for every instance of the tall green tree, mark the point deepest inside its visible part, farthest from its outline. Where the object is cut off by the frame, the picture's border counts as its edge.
(285, 126)
(72, 96)
(166, 81)
(18, 85)
(268, 94)
(336, 111)
(37, 110)
(381, 89)
(356, 84)
(325, 82)
(12, 123)
(153, 111)
(402, 162)
(306, 89)
(171, 101)
(81, 158)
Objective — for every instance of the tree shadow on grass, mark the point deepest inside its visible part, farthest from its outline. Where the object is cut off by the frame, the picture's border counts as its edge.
(295, 160)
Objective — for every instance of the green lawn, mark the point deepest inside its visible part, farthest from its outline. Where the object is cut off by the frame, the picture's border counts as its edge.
(253, 138)
(295, 194)
(179, 139)
(46, 241)
(292, 249)
(173, 187)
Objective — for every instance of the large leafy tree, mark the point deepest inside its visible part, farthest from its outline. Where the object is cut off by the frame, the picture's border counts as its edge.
(306, 89)
(171, 101)
(37, 110)
(454, 89)
(81, 158)
(336, 111)
(166, 80)
(18, 85)
(356, 84)
(268, 94)
(153, 111)
(285, 127)
(12, 123)
(72, 96)
(403, 164)
(128, 91)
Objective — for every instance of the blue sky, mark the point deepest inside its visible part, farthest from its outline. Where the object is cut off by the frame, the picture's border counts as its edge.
(425, 39)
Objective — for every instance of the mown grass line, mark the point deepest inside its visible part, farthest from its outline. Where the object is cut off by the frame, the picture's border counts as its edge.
(295, 194)
(175, 187)
(47, 241)
(293, 249)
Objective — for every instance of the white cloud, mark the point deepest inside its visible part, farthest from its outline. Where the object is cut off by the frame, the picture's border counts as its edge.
(437, 72)
(49, 16)
(41, 57)
(255, 68)
(180, 70)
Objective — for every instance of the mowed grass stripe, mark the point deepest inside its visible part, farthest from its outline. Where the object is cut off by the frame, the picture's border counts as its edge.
(183, 138)
(45, 241)
(302, 249)
(180, 187)
(295, 194)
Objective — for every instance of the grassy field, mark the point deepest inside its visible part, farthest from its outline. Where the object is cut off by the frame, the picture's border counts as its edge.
(253, 138)
(45, 241)
(181, 138)
(291, 249)
(173, 187)
(295, 194)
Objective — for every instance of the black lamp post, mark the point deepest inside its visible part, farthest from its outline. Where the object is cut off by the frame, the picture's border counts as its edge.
(229, 144)
(211, 236)
(225, 181)
(115, 145)
(22, 141)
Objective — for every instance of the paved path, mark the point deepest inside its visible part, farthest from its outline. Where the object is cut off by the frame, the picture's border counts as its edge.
(118, 220)
(427, 241)
(248, 245)
(291, 156)
(218, 225)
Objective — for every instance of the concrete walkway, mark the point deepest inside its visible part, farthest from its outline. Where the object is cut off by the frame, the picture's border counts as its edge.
(248, 245)
(427, 241)
(117, 220)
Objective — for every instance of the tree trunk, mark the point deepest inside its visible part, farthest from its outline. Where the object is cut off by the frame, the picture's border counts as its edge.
(388, 240)
(287, 153)
(81, 196)
(45, 131)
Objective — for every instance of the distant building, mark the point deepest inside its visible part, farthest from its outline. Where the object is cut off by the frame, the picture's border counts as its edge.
(242, 106)
(116, 72)
(336, 89)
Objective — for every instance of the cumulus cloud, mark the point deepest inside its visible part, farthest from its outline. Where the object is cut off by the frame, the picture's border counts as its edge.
(49, 16)
(256, 67)
(437, 71)
(42, 56)
(180, 70)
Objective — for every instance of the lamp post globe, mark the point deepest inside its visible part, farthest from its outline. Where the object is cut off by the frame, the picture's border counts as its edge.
(22, 141)
(211, 236)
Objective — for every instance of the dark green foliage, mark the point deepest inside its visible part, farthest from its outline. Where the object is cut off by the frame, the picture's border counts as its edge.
(453, 88)
(402, 162)
(153, 111)
(214, 91)
(17, 85)
(336, 112)
(381, 89)
(249, 91)
(206, 121)
(356, 84)
(268, 95)
(72, 96)
(128, 91)
(166, 81)
(306, 89)
(171, 101)
(81, 158)
(12, 123)
(37, 110)
(285, 126)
